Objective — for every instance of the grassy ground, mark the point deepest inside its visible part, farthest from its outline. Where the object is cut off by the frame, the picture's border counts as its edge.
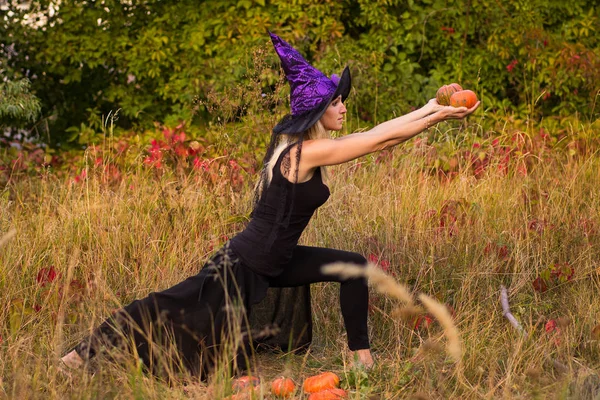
(457, 241)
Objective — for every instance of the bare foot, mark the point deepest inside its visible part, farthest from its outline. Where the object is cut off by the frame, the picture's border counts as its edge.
(72, 360)
(363, 358)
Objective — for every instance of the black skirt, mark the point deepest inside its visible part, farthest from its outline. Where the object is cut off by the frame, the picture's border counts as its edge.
(217, 318)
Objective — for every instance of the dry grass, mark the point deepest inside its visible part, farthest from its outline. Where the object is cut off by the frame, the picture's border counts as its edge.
(124, 241)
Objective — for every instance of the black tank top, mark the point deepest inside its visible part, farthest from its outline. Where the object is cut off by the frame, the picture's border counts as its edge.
(252, 244)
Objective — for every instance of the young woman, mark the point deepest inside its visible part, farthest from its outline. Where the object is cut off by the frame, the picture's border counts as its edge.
(239, 285)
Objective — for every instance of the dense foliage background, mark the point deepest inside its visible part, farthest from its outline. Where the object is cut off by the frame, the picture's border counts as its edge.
(159, 61)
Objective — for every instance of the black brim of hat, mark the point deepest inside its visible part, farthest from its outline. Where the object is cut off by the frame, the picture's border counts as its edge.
(297, 124)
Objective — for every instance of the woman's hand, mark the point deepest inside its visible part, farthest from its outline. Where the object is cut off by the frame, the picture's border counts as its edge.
(449, 112)
(433, 106)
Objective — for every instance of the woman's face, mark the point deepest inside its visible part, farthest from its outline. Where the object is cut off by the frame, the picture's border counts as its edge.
(333, 119)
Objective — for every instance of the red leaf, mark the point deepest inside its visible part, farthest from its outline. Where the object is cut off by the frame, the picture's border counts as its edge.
(424, 320)
(200, 164)
(550, 326)
(181, 151)
(46, 275)
(503, 252)
(539, 284)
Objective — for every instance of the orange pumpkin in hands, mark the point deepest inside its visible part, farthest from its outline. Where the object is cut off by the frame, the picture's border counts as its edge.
(464, 98)
(445, 92)
(318, 383)
(329, 394)
(283, 387)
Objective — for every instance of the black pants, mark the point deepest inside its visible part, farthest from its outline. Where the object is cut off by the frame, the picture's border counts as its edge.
(192, 316)
(305, 268)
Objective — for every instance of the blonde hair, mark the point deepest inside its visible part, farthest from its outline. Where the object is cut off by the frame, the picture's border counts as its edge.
(318, 131)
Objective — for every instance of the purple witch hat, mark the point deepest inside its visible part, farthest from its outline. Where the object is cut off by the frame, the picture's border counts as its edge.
(310, 90)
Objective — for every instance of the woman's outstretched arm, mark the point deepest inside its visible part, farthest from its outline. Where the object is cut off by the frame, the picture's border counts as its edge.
(320, 152)
(431, 107)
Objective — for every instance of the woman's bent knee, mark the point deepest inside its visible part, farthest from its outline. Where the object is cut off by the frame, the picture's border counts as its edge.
(356, 258)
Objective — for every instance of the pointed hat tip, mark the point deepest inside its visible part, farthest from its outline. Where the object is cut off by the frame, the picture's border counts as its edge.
(275, 39)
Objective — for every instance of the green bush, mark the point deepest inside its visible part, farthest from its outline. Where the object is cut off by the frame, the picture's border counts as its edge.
(160, 61)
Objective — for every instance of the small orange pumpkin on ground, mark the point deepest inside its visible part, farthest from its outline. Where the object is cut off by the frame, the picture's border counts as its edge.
(323, 381)
(445, 92)
(329, 394)
(283, 387)
(464, 98)
(244, 383)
